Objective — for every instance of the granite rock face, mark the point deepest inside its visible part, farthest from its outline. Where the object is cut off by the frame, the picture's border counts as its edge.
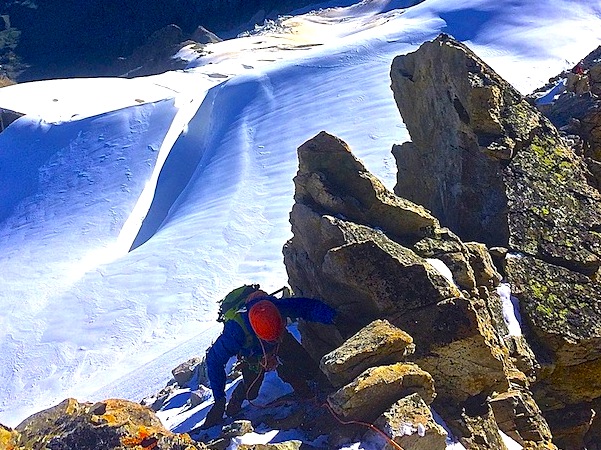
(499, 172)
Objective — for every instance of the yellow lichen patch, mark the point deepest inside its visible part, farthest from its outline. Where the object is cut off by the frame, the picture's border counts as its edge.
(143, 438)
(119, 412)
(8, 439)
(72, 406)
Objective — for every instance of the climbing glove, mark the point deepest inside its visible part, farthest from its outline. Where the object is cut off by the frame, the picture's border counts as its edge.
(215, 414)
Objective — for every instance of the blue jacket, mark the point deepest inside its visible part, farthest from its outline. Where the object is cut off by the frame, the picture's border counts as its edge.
(233, 339)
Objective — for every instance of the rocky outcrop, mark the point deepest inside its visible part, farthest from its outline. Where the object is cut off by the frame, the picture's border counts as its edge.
(369, 362)
(505, 176)
(107, 425)
(572, 101)
(372, 255)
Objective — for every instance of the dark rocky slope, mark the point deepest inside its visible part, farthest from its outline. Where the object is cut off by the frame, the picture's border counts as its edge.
(67, 38)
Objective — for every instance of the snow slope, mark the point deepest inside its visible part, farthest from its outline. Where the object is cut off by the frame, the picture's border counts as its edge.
(207, 156)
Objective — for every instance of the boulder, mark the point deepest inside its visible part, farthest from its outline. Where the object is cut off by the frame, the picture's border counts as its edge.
(361, 272)
(503, 175)
(110, 424)
(376, 344)
(332, 180)
(409, 423)
(185, 372)
(374, 390)
(192, 373)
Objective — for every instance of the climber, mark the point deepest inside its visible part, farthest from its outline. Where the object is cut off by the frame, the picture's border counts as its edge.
(578, 68)
(257, 335)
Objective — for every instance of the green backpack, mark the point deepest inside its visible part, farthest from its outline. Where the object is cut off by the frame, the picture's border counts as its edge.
(234, 302)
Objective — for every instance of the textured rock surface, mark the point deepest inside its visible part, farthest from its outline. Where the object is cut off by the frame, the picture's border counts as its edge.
(359, 270)
(577, 108)
(373, 391)
(378, 343)
(366, 252)
(563, 309)
(326, 165)
(410, 424)
(518, 415)
(503, 175)
(107, 425)
(570, 426)
(500, 172)
(480, 431)
(184, 372)
(458, 345)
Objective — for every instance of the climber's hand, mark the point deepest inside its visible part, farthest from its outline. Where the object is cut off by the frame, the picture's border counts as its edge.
(215, 414)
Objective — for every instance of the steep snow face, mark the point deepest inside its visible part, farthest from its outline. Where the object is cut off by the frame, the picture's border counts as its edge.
(207, 157)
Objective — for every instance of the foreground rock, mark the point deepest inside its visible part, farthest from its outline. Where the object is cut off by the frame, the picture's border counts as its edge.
(107, 425)
(411, 426)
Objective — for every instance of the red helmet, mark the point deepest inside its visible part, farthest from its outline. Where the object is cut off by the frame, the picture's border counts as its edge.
(266, 320)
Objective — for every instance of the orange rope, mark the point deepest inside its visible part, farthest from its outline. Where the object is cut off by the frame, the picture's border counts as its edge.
(264, 366)
(365, 424)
